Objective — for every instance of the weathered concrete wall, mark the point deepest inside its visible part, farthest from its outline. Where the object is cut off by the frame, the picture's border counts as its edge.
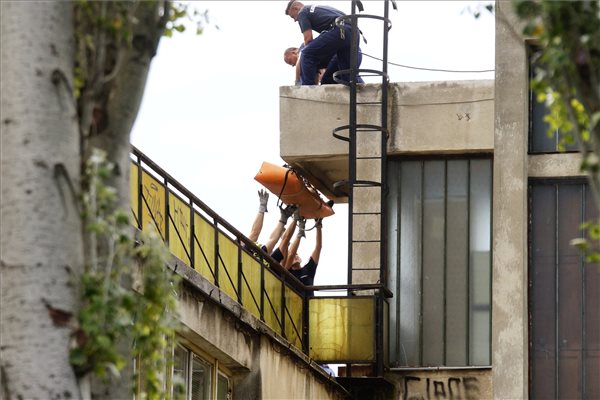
(509, 288)
(443, 384)
(442, 117)
(263, 364)
(554, 165)
(423, 117)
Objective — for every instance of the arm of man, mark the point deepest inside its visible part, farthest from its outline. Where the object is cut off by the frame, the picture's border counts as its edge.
(308, 36)
(318, 245)
(285, 213)
(275, 235)
(298, 70)
(285, 241)
(292, 252)
(256, 227)
(263, 197)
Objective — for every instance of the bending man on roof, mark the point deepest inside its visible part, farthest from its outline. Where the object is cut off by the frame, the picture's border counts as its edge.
(331, 41)
(291, 56)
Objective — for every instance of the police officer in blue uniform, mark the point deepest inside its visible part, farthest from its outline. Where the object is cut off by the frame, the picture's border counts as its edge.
(331, 41)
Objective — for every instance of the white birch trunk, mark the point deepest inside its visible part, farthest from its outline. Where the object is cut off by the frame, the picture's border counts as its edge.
(41, 235)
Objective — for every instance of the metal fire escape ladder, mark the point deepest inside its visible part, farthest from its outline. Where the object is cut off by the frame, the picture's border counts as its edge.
(366, 183)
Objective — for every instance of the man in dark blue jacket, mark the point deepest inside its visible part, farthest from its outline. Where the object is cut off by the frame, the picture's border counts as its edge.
(331, 41)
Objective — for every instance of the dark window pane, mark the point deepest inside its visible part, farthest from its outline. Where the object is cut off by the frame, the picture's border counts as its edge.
(222, 387)
(569, 291)
(410, 264)
(591, 350)
(457, 236)
(564, 295)
(542, 291)
(179, 377)
(393, 275)
(433, 263)
(201, 377)
(480, 261)
(539, 141)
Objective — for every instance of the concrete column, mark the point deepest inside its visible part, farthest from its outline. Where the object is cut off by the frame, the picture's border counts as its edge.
(509, 320)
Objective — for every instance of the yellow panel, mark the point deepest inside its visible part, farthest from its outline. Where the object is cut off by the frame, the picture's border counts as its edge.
(153, 204)
(342, 329)
(251, 284)
(293, 303)
(273, 308)
(134, 192)
(179, 223)
(204, 247)
(228, 266)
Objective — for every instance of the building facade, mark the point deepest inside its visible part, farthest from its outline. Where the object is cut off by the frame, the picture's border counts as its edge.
(477, 293)
(489, 299)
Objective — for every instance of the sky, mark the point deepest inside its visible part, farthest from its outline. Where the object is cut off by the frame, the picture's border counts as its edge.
(210, 112)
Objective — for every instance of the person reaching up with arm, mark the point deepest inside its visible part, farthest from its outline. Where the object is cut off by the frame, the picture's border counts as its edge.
(281, 252)
(257, 225)
(305, 274)
(285, 214)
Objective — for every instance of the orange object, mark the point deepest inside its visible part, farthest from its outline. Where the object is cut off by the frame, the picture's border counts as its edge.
(286, 184)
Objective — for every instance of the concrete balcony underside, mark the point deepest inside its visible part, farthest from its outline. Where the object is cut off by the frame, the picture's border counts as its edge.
(423, 118)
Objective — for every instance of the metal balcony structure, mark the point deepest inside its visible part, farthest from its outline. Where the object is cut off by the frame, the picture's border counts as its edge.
(329, 329)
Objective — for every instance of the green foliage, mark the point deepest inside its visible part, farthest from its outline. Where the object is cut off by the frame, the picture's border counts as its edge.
(156, 314)
(104, 29)
(111, 309)
(588, 244)
(178, 12)
(567, 64)
(566, 78)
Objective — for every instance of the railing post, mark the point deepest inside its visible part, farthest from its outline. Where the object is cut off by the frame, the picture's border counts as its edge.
(305, 319)
(283, 308)
(167, 212)
(139, 193)
(216, 262)
(239, 277)
(262, 288)
(192, 235)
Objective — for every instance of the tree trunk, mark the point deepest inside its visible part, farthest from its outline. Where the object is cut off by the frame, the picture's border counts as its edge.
(123, 95)
(119, 103)
(41, 241)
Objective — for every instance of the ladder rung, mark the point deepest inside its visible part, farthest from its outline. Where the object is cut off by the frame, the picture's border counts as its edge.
(366, 213)
(368, 158)
(367, 241)
(365, 183)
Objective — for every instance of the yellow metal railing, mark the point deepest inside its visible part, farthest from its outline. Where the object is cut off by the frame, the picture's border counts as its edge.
(328, 329)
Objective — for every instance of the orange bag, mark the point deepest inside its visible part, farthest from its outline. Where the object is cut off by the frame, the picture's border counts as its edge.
(290, 187)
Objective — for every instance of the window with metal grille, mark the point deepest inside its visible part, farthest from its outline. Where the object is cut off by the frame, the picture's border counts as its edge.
(564, 294)
(439, 243)
(539, 139)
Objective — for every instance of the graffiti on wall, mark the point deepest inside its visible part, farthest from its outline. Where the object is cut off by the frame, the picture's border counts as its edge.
(154, 198)
(452, 388)
(180, 213)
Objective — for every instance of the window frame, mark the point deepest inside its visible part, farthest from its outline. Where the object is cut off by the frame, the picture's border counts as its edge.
(394, 254)
(217, 369)
(531, 48)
